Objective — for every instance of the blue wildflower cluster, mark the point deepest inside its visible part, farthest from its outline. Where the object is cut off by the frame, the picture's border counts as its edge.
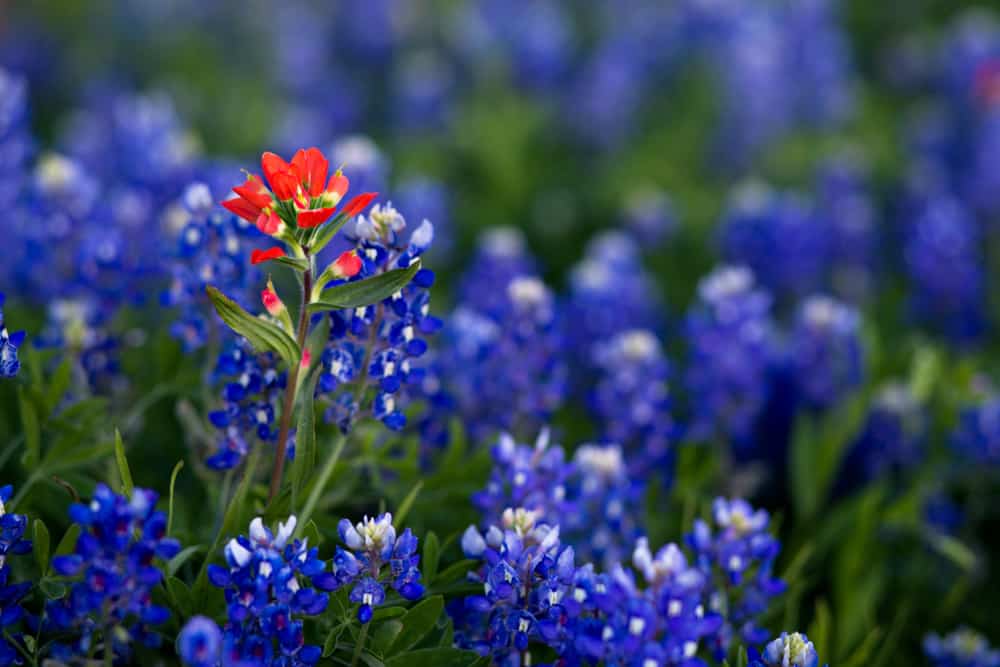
(893, 438)
(962, 648)
(16, 143)
(730, 334)
(631, 399)
(977, 436)
(737, 560)
(826, 355)
(271, 582)
(380, 345)
(9, 342)
(199, 643)
(372, 545)
(252, 385)
(788, 650)
(211, 249)
(12, 543)
(110, 606)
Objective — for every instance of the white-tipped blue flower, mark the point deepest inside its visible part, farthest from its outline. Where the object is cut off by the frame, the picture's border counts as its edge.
(422, 237)
(236, 554)
(790, 650)
(473, 544)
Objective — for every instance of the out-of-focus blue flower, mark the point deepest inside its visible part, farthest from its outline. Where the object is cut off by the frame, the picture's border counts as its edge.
(270, 582)
(737, 559)
(111, 602)
(893, 438)
(199, 643)
(380, 347)
(12, 543)
(649, 214)
(788, 650)
(211, 249)
(422, 198)
(962, 648)
(729, 331)
(631, 399)
(942, 253)
(977, 436)
(369, 165)
(501, 255)
(423, 87)
(16, 144)
(79, 327)
(9, 342)
(372, 545)
(252, 386)
(825, 351)
(776, 235)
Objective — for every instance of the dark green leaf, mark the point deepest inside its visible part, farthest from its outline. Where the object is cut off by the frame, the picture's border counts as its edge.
(68, 541)
(180, 596)
(58, 385)
(326, 233)
(53, 590)
(435, 657)
(455, 571)
(404, 507)
(385, 634)
(305, 436)
(432, 556)
(298, 264)
(330, 645)
(32, 431)
(123, 469)
(170, 502)
(177, 562)
(365, 292)
(385, 613)
(40, 547)
(417, 622)
(262, 335)
(741, 657)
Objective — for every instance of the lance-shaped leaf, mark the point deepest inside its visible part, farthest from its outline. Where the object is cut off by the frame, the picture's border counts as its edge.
(365, 292)
(325, 233)
(296, 263)
(263, 335)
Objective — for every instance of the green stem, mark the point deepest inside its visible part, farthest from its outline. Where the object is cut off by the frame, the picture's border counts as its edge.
(360, 645)
(290, 391)
(317, 489)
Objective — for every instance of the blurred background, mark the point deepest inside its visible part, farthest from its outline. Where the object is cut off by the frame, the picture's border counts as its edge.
(626, 149)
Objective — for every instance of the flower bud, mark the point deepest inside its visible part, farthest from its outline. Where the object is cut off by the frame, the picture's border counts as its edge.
(272, 302)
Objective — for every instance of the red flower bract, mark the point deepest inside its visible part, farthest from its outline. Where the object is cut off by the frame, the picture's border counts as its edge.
(259, 256)
(314, 218)
(348, 264)
(359, 203)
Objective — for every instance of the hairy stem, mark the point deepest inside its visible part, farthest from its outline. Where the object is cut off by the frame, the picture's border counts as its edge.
(290, 390)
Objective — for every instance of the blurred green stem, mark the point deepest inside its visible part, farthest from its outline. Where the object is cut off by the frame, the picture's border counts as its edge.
(321, 481)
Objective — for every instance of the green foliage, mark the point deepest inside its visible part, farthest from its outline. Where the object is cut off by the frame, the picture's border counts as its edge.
(263, 335)
(364, 292)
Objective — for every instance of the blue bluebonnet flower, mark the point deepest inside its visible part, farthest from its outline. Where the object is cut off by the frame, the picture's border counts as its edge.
(423, 88)
(380, 346)
(777, 236)
(737, 559)
(893, 438)
(729, 331)
(111, 602)
(962, 648)
(12, 543)
(650, 216)
(9, 342)
(271, 581)
(211, 249)
(251, 388)
(631, 399)
(79, 326)
(825, 351)
(499, 367)
(16, 144)
(372, 545)
(526, 573)
(609, 292)
(501, 255)
(788, 650)
(977, 435)
(199, 643)
(424, 198)
(942, 253)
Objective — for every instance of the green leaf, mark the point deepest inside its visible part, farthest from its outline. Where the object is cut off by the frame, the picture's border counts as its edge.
(741, 657)
(330, 645)
(52, 589)
(365, 292)
(296, 263)
(311, 532)
(68, 541)
(32, 431)
(170, 502)
(40, 539)
(417, 622)
(180, 596)
(123, 469)
(58, 385)
(385, 634)
(326, 233)
(432, 556)
(177, 562)
(862, 655)
(821, 629)
(305, 437)
(435, 657)
(262, 335)
(455, 571)
(407, 504)
(385, 613)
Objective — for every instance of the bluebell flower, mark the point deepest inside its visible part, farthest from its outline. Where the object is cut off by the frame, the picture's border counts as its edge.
(825, 351)
(977, 436)
(12, 543)
(730, 336)
(251, 389)
(373, 360)
(9, 342)
(631, 399)
(738, 558)
(271, 582)
(372, 545)
(199, 643)
(788, 650)
(962, 648)
(110, 602)
(211, 249)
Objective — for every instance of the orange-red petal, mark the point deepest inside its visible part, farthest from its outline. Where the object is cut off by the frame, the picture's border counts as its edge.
(338, 186)
(314, 218)
(253, 191)
(273, 164)
(359, 203)
(348, 264)
(259, 256)
(242, 208)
